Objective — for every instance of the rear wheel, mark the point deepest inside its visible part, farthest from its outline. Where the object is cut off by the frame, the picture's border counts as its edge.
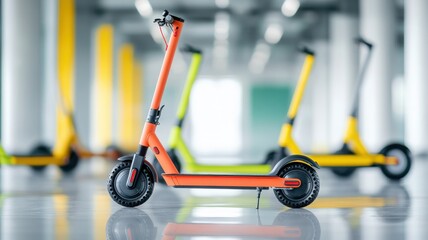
(402, 153)
(308, 190)
(40, 150)
(72, 162)
(158, 167)
(130, 197)
(343, 172)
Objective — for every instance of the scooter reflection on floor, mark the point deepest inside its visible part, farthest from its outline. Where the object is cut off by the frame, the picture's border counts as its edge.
(392, 203)
(136, 224)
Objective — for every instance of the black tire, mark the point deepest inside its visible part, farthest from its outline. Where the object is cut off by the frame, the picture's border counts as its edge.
(40, 150)
(301, 219)
(72, 162)
(270, 157)
(159, 169)
(131, 221)
(396, 172)
(125, 196)
(306, 193)
(343, 172)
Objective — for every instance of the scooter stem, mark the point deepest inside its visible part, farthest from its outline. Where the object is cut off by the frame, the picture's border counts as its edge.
(301, 84)
(177, 26)
(154, 113)
(360, 77)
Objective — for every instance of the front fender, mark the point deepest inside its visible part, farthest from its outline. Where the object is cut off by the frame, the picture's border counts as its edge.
(129, 158)
(291, 159)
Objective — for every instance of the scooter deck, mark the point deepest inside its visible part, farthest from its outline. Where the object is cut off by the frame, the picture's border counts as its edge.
(36, 160)
(348, 160)
(238, 169)
(229, 181)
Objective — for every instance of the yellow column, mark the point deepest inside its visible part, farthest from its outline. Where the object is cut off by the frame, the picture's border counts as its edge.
(65, 51)
(130, 102)
(103, 113)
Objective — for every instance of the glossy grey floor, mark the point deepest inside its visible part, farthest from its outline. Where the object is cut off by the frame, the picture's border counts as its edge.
(366, 206)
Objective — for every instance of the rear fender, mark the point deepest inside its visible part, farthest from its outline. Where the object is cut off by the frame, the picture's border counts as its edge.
(292, 159)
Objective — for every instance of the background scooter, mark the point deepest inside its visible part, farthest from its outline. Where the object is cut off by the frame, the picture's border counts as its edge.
(394, 159)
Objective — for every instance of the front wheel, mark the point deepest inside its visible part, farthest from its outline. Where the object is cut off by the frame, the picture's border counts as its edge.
(400, 170)
(303, 195)
(122, 194)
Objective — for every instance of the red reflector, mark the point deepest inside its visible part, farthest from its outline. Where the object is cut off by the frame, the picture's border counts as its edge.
(156, 150)
(292, 183)
(133, 174)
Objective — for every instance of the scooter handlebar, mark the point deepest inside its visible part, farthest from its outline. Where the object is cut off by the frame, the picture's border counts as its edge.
(363, 41)
(307, 51)
(167, 19)
(190, 49)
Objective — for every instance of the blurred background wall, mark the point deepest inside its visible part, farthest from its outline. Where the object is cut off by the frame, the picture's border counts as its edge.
(250, 67)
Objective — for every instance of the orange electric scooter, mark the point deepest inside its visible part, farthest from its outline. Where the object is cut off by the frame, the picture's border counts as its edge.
(131, 182)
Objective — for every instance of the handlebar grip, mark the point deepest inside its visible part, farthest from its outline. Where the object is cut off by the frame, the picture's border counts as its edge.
(363, 41)
(191, 49)
(169, 19)
(307, 51)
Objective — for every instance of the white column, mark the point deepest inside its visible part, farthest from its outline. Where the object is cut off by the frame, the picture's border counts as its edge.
(320, 100)
(343, 70)
(83, 83)
(21, 76)
(416, 73)
(50, 86)
(378, 26)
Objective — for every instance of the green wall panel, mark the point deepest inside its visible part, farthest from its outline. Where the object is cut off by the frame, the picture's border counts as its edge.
(268, 108)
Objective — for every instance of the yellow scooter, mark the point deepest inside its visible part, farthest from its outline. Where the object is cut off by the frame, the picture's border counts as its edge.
(66, 152)
(394, 159)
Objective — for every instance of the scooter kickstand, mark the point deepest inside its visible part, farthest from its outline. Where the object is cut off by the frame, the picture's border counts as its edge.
(259, 192)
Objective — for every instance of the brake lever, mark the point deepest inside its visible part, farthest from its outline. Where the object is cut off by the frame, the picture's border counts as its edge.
(159, 21)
